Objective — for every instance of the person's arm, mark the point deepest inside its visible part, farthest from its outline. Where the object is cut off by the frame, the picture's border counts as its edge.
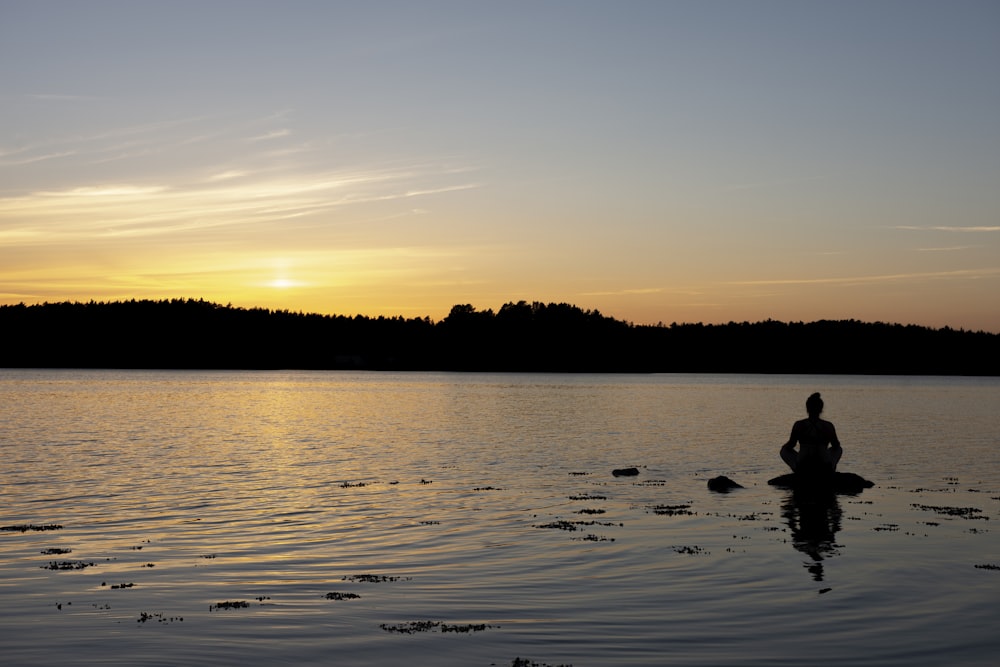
(836, 451)
(788, 453)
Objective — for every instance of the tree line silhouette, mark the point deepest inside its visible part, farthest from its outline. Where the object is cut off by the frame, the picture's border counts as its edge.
(521, 336)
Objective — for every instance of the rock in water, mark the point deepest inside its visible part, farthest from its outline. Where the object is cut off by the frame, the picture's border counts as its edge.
(625, 472)
(723, 484)
(841, 482)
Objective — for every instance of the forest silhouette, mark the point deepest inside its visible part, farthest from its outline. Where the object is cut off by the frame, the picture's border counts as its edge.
(521, 336)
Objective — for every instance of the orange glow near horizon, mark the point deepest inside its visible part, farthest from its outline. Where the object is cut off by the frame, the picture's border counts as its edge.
(666, 164)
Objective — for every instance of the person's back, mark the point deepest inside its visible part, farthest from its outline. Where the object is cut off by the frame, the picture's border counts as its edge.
(814, 436)
(819, 447)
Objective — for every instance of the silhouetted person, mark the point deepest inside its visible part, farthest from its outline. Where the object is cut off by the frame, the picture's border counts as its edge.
(819, 449)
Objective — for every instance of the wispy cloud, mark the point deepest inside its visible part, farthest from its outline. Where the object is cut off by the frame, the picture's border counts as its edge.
(620, 292)
(30, 159)
(947, 228)
(953, 248)
(860, 280)
(225, 199)
(270, 136)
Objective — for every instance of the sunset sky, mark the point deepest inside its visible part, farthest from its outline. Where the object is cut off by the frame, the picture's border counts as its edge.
(674, 161)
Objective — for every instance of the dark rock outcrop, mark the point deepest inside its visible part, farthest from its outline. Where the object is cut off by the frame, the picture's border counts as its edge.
(840, 482)
(625, 472)
(723, 484)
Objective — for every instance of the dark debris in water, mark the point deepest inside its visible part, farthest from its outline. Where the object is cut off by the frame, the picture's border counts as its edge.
(55, 551)
(414, 627)
(235, 604)
(525, 662)
(594, 538)
(342, 596)
(988, 566)
(68, 565)
(671, 510)
(573, 525)
(690, 550)
(961, 512)
(588, 497)
(25, 527)
(158, 617)
(560, 525)
(373, 578)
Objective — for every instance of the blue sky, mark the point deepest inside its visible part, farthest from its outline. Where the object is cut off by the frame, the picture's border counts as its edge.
(659, 161)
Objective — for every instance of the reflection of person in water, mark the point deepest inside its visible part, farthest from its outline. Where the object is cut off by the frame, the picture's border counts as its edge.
(814, 520)
(819, 449)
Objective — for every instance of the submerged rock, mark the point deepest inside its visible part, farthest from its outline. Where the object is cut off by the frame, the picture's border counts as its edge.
(840, 482)
(723, 484)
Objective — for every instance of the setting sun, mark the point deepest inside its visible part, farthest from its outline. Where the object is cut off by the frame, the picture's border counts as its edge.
(668, 162)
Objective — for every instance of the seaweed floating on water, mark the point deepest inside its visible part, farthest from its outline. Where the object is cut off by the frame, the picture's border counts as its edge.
(235, 604)
(68, 565)
(572, 525)
(594, 538)
(342, 596)
(55, 551)
(671, 510)
(987, 566)
(590, 511)
(690, 550)
(25, 527)
(372, 578)
(413, 627)
(961, 512)
(525, 662)
(158, 617)
(588, 497)
(466, 627)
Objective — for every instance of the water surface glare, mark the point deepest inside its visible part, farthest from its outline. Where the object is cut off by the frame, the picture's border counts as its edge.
(318, 518)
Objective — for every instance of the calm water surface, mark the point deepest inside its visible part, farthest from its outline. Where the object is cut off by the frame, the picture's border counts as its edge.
(261, 518)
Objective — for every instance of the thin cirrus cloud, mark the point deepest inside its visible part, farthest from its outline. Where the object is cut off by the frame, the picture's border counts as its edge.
(132, 210)
(861, 280)
(950, 228)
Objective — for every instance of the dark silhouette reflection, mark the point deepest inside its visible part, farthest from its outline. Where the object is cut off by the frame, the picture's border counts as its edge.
(813, 517)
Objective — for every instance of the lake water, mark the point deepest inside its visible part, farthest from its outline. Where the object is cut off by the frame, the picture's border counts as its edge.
(331, 518)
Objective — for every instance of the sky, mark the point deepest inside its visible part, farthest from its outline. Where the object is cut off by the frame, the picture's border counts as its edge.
(659, 161)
